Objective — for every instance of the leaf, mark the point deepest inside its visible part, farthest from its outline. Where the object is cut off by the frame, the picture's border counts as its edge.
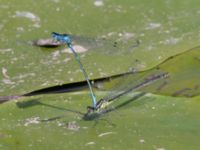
(165, 28)
(183, 76)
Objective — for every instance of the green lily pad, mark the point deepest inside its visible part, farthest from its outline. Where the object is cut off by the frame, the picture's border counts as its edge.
(55, 122)
(182, 79)
(164, 28)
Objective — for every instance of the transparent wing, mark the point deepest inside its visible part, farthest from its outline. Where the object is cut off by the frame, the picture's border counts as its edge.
(183, 77)
(103, 45)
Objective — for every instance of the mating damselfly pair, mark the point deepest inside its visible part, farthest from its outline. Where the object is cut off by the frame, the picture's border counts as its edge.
(100, 106)
(176, 76)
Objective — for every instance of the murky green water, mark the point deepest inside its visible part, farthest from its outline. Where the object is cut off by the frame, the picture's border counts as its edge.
(164, 28)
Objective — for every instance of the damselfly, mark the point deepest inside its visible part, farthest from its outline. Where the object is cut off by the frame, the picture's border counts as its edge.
(103, 103)
(65, 38)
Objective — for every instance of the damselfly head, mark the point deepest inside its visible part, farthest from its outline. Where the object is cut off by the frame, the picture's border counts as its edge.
(96, 112)
(91, 114)
(61, 37)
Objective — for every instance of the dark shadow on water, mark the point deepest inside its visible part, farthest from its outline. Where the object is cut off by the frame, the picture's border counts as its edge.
(52, 118)
(29, 103)
(34, 102)
(94, 117)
